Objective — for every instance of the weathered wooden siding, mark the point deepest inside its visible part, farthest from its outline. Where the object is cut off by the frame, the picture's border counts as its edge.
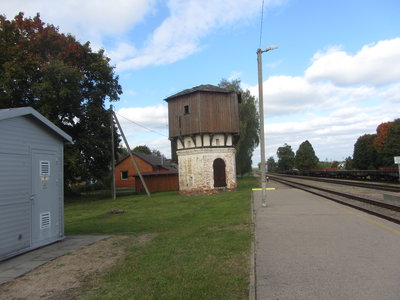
(219, 113)
(127, 165)
(158, 183)
(208, 113)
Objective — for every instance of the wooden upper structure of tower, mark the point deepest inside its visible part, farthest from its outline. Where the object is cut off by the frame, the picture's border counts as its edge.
(204, 109)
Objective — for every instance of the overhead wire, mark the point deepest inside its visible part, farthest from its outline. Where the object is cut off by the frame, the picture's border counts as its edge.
(140, 125)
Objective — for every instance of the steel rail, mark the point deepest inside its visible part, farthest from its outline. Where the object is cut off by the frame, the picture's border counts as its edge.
(369, 185)
(333, 195)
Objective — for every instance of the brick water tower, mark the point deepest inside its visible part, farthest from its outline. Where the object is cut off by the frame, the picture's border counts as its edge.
(203, 130)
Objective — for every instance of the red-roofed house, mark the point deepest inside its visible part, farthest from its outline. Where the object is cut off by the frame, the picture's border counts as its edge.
(157, 172)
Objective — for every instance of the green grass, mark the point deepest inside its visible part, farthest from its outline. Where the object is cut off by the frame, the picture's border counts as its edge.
(200, 250)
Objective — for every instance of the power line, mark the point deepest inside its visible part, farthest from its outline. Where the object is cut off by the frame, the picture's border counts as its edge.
(140, 125)
(261, 25)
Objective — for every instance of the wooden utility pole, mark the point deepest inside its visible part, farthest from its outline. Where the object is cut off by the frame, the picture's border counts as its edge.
(130, 154)
(114, 194)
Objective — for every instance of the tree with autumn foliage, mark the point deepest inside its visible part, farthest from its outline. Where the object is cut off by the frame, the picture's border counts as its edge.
(390, 145)
(382, 132)
(65, 81)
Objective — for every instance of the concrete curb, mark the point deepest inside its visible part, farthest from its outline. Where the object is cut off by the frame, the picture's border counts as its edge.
(252, 284)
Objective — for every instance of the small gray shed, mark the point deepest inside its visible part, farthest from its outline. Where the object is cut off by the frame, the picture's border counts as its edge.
(31, 181)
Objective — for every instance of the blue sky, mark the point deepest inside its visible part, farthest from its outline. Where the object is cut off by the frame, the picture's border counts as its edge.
(334, 77)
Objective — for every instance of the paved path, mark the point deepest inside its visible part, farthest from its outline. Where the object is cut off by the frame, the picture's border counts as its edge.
(307, 247)
(21, 264)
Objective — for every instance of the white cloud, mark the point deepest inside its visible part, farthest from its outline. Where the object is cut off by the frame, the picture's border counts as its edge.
(339, 98)
(392, 94)
(285, 95)
(152, 117)
(177, 37)
(234, 75)
(122, 52)
(190, 20)
(88, 20)
(146, 126)
(375, 64)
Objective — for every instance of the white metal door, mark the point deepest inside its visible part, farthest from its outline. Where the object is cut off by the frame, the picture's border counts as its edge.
(45, 202)
(15, 207)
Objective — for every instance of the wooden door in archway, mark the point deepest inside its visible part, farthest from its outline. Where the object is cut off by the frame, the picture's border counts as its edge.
(219, 173)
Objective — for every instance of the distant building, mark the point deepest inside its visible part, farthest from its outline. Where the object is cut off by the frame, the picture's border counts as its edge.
(157, 181)
(151, 167)
(204, 129)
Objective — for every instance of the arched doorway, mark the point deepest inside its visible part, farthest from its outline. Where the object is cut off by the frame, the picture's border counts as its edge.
(219, 173)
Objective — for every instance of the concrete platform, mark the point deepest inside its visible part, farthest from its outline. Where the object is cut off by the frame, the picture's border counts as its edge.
(24, 263)
(307, 247)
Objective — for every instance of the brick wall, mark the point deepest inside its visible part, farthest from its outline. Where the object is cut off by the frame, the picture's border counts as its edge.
(196, 173)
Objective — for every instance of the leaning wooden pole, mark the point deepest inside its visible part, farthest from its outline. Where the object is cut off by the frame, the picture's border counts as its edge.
(130, 154)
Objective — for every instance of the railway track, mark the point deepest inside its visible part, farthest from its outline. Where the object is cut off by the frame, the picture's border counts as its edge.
(361, 201)
(378, 186)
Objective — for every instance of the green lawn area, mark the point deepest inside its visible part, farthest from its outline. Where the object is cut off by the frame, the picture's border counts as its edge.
(200, 250)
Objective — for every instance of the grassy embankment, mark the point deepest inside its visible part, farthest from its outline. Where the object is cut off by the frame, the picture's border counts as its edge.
(200, 248)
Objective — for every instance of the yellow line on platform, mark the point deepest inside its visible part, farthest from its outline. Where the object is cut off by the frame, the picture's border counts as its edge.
(259, 189)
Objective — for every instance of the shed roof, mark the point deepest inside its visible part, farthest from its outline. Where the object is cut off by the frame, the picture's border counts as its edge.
(9, 113)
(158, 173)
(201, 88)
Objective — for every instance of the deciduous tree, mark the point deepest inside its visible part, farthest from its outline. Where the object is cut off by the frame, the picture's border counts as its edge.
(382, 132)
(285, 158)
(142, 149)
(272, 165)
(65, 81)
(305, 157)
(391, 147)
(365, 155)
(249, 126)
(348, 163)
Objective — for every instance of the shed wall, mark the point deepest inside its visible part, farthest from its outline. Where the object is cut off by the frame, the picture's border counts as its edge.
(159, 183)
(19, 137)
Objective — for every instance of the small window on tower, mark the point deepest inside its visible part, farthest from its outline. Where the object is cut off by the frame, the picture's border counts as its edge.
(186, 109)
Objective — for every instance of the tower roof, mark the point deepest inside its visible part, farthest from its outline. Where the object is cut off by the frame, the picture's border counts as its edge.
(201, 88)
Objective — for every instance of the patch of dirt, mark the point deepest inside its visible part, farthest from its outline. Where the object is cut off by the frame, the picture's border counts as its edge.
(67, 276)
